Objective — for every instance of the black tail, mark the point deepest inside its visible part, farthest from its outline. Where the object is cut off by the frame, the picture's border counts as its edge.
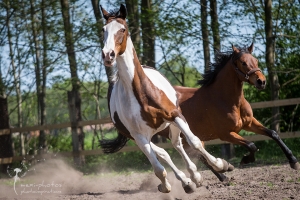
(113, 145)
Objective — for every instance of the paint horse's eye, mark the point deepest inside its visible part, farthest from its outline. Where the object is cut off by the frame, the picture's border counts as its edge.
(102, 29)
(123, 30)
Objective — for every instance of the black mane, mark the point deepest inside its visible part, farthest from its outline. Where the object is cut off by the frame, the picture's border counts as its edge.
(221, 58)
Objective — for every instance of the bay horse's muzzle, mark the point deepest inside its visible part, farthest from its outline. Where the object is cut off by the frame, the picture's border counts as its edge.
(260, 84)
(108, 58)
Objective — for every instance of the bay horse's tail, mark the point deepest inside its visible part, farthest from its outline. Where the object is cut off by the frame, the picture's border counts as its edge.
(113, 145)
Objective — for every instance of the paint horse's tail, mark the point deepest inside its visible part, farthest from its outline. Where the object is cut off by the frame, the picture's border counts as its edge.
(113, 145)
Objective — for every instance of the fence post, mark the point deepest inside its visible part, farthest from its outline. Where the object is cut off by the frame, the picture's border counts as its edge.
(6, 150)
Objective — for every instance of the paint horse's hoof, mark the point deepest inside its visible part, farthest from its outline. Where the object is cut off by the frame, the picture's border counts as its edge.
(227, 166)
(188, 189)
(295, 166)
(162, 188)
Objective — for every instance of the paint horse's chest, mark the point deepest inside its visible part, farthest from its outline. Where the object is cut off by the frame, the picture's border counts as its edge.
(142, 111)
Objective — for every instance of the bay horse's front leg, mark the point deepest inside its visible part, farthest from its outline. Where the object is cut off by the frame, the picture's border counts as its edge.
(258, 128)
(217, 164)
(235, 138)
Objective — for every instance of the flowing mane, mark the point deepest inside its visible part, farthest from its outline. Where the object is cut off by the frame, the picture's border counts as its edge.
(221, 59)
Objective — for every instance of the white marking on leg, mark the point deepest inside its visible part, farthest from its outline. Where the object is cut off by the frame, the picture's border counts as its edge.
(161, 153)
(216, 163)
(191, 167)
(159, 170)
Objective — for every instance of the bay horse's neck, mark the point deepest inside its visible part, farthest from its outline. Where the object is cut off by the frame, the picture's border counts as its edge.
(128, 65)
(228, 84)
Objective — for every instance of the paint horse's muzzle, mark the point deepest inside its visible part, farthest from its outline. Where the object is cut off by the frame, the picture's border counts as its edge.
(108, 58)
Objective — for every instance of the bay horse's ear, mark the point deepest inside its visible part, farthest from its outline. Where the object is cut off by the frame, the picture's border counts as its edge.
(104, 13)
(122, 12)
(250, 49)
(235, 49)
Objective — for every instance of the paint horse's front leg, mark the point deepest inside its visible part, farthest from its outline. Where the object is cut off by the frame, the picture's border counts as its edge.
(144, 144)
(186, 182)
(217, 164)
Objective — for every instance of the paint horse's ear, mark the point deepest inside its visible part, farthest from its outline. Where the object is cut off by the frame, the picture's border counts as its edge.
(250, 49)
(122, 12)
(236, 50)
(104, 13)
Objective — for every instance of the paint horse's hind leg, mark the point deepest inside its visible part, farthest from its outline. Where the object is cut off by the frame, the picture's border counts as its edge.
(159, 170)
(220, 176)
(260, 129)
(217, 164)
(177, 144)
(186, 182)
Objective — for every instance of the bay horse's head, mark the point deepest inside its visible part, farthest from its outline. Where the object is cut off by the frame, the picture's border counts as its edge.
(246, 67)
(115, 33)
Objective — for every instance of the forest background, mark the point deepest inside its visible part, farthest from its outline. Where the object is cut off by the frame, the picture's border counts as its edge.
(51, 69)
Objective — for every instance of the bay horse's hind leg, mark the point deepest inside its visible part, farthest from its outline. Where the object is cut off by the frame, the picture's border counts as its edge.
(186, 182)
(159, 170)
(217, 164)
(174, 135)
(260, 129)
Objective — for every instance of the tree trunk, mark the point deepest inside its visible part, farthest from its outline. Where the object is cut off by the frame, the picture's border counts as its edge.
(148, 33)
(204, 29)
(215, 25)
(270, 60)
(133, 17)
(42, 138)
(16, 78)
(95, 3)
(74, 98)
(6, 150)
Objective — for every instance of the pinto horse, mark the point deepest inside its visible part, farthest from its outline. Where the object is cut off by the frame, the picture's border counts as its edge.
(219, 109)
(142, 102)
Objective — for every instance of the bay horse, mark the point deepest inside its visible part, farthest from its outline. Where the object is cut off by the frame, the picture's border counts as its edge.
(142, 102)
(219, 110)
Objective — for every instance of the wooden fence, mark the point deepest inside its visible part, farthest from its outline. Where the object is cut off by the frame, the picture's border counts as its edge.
(264, 104)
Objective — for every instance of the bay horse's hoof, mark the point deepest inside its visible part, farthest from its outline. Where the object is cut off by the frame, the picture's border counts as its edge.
(247, 159)
(163, 188)
(188, 189)
(295, 166)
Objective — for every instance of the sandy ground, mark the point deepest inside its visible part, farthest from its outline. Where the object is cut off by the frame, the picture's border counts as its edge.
(56, 180)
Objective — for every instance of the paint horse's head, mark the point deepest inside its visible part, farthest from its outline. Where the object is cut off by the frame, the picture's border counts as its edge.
(246, 67)
(115, 33)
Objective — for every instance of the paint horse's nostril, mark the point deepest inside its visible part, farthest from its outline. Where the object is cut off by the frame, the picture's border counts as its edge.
(112, 53)
(103, 54)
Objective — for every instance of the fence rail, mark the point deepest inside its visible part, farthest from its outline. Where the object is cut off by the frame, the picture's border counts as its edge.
(256, 105)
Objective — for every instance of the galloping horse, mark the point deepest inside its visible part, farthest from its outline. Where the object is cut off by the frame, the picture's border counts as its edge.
(142, 102)
(219, 109)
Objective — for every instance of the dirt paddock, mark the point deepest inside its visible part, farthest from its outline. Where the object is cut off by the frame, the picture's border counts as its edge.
(56, 180)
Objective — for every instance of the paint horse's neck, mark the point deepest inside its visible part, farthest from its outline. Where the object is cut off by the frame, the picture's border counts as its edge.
(128, 65)
(228, 84)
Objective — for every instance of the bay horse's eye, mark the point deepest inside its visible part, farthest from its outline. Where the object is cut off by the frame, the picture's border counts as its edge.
(244, 64)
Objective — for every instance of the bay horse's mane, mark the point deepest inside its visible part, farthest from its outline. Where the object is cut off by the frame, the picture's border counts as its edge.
(221, 58)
